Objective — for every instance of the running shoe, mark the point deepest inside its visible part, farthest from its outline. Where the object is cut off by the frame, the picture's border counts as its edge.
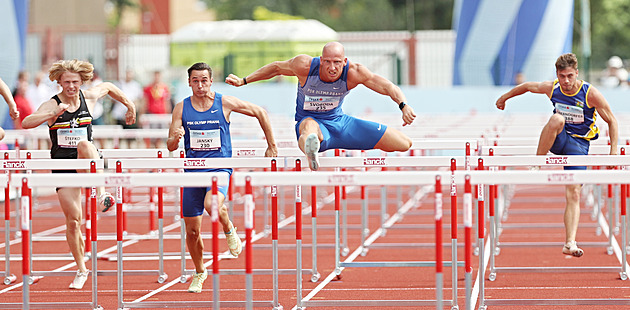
(79, 280)
(234, 242)
(571, 248)
(311, 148)
(197, 281)
(106, 201)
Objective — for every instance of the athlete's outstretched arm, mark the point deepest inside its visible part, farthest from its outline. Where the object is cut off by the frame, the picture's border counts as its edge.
(532, 87)
(296, 66)
(231, 103)
(176, 131)
(113, 91)
(47, 112)
(597, 100)
(359, 74)
(6, 93)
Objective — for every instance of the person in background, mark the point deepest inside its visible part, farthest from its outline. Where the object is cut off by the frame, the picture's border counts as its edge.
(23, 104)
(133, 90)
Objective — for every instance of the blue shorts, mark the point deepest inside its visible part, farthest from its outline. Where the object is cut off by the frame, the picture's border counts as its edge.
(194, 197)
(347, 132)
(566, 144)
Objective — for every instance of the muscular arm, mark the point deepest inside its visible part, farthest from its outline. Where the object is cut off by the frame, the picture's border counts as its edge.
(113, 91)
(359, 74)
(231, 103)
(47, 112)
(597, 100)
(532, 87)
(176, 131)
(297, 66)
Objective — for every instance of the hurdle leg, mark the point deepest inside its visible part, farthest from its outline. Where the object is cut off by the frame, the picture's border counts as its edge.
(337, 246)
(365, 231)
(8, 277)
(623, 206)
(24, 226)
(162, 275)
(609, 248)
(344, 209)
(314, 273)
(383, 210)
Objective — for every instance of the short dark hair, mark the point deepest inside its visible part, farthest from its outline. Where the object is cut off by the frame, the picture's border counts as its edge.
(200, 66)
(568, 60)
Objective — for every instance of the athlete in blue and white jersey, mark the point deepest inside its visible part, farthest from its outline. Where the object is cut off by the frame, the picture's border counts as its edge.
(203, 120)
(570, 128)
(323, 83)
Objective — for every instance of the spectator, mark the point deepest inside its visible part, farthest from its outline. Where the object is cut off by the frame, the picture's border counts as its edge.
(39, 92)
(24, 107)
(157, 96)
(615, 74)
(133, 90)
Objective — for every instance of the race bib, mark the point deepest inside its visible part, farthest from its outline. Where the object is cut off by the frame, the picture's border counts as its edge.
(571, 114)
(320, 103)
(69, 138)
(204, 140)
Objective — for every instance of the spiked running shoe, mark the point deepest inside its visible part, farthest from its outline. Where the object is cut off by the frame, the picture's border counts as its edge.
(311, 147)
(79, 280)
(197, 281)
(571, 248)
(106, 201)
(234, 242)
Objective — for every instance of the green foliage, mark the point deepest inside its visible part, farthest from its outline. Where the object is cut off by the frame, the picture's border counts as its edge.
(262, 13)
(347, 15)
(610, 30)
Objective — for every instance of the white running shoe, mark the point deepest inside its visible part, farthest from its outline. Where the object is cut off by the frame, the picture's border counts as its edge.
(234, 242)
(197, 281)
(571, 248)
(311, 148)
(106, 201)
(79, 280)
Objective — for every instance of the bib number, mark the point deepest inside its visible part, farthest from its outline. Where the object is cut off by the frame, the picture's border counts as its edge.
(205, 140)
(571, 114)
(69, 138)
(320, 103)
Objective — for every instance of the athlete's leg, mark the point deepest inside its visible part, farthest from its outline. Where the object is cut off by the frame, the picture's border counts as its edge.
(309, 141)
(572, 211)
(393, 141)
(70, 201)
(87, 150)
(307, 127)
(194, 242)
(554, 126)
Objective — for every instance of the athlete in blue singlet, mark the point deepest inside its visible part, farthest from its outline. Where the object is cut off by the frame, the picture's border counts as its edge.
(323, 84)
(203, 120)
(570, 128)
(70, 123)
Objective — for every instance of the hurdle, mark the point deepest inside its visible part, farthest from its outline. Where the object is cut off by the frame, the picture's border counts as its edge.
(553, 177)
(136, 179)
(557, 161)
(427, 178)
(205, 163)
(40, 164)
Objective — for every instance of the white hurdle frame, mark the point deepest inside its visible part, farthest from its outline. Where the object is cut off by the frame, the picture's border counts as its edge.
(40, 164)
(134, 179)
(353, 178)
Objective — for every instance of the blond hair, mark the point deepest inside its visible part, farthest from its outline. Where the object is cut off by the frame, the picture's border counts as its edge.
(83, 68)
